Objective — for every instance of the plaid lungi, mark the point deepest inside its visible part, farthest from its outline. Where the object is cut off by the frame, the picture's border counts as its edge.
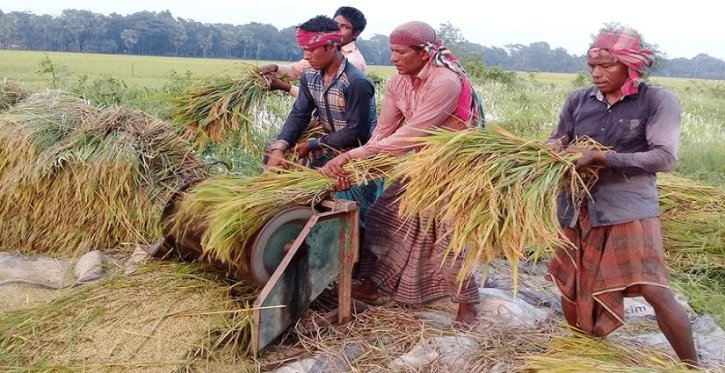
(405, 256)
(608, 264)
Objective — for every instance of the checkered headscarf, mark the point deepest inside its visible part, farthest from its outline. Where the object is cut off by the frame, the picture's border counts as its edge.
(626, 46)
(420, 34)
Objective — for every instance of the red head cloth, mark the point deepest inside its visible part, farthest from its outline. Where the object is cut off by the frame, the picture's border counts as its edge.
(626, 46)
(413, 33)
(314, 39)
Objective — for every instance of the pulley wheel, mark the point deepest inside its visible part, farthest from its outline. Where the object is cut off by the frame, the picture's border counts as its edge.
(266, 250)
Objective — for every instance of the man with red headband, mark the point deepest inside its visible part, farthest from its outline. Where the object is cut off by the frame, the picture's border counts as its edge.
(351, 23)
(400, 255)
(617, 247)
(339, 94)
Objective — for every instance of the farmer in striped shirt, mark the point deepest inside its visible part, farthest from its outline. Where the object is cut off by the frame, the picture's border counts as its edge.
(351, 23)
(618, 243)
(341, 97)
(403, 256)
(339, 93)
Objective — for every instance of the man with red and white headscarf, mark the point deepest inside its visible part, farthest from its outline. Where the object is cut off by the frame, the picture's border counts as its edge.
(341, 97)
(617, 247)
(338, 92)
(351, 23)
(406, 256)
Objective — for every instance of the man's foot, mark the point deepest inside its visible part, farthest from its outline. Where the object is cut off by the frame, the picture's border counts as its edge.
(466, 314)
(366, 291)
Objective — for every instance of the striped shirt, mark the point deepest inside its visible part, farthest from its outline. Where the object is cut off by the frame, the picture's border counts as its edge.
(412, 105)
(343, 108)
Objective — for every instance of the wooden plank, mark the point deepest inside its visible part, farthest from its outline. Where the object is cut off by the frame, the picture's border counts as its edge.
(349, 242)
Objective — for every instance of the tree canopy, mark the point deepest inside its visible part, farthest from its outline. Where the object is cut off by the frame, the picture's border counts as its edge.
(160, 33)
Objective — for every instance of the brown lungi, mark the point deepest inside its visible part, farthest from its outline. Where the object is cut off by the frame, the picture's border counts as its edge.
(405, 256)
(606, 266)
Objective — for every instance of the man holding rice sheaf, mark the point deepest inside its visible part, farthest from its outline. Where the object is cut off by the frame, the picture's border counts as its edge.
(341, 97)
(339, 93)
(617, 247)
(405, 256)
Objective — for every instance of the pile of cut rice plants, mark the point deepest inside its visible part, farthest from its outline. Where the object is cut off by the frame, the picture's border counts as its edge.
(212, 109)
(693, 219)
(165, 316)
(75, 178)
(693, 230)
(229, 210)
(11, 93)
(496, 190)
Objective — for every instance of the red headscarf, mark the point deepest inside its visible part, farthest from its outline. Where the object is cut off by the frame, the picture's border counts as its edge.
(314, 39)
(625, 46)
(417, 33)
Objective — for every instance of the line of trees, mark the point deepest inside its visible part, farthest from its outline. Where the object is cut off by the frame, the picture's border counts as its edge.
(160, 33)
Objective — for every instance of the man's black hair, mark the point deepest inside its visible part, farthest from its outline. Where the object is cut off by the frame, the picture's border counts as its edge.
(356, 17)
(320, 23)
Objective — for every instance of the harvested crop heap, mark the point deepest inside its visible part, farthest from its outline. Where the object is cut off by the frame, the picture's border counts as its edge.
(75, 178)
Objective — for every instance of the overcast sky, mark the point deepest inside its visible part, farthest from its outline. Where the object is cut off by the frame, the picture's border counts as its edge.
(681, 29)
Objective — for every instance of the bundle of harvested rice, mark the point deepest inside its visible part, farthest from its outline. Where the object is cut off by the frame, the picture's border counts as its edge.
(11, 93)
(693, 230)
(38, 122)
(227, 211)
(220, 106)
(496, 190)
(581, 353)
(693, 219)
(74, 178)
(163, 317)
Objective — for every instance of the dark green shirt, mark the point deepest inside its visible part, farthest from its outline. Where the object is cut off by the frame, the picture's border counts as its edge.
(644, 131)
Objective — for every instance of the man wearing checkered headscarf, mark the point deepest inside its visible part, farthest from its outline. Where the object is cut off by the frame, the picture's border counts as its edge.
(615, 232)
(626, 46)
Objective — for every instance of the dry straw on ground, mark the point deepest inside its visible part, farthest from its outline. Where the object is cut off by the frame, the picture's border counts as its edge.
(580, 353)
(165, 317)
(75, 178)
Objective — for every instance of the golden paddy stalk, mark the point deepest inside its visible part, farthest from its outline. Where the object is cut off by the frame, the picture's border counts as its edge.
(581, 353)
(75, 178)
(496, 191)
(229, 210)
(164, 315)
(11, 93)
(220, 105)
